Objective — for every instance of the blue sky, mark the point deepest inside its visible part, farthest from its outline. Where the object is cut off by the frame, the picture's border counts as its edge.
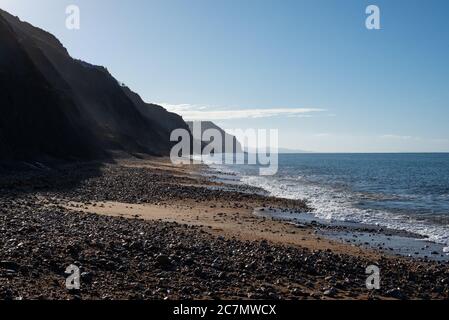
(308, 68)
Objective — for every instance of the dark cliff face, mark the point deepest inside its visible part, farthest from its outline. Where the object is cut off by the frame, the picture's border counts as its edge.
(157, 116)
(53, 105)
(36, 119)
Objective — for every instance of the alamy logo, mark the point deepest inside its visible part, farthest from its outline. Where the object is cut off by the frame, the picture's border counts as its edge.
(235, 147)
(373, 280)
(72, 282)
(73, 20)
(373, 20)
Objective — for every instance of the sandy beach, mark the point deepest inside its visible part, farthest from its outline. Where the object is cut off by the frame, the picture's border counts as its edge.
(146, 229)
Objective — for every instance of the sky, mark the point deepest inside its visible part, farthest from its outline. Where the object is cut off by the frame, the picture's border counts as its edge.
(310, 69)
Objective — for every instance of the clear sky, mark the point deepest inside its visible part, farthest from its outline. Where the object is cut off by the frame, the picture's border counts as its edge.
(308, 68)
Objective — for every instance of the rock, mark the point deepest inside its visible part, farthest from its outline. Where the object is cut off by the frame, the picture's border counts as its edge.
(222, 276)
(396, 293)
(330, 292)
(164, 261)
(298, 292)
(86, 277)
(189, 261)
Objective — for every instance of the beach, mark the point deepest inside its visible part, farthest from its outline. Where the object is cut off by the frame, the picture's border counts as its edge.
(147, 229)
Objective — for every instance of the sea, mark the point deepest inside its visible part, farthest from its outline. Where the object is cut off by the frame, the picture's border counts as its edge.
(405, 192)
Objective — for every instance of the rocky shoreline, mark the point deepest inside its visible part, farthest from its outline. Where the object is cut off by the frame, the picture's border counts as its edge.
(132, 258)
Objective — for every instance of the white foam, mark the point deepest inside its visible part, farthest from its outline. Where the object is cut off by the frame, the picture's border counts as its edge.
(331, 204)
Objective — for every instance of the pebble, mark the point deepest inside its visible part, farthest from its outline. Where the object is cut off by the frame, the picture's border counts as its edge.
(123, 259)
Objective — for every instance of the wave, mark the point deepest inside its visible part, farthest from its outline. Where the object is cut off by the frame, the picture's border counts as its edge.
(337, 204)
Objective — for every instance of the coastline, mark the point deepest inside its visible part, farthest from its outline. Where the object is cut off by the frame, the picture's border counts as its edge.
(404, 237)
(177, 225)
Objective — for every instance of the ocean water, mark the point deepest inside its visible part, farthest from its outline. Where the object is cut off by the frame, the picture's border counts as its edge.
(407, 192)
